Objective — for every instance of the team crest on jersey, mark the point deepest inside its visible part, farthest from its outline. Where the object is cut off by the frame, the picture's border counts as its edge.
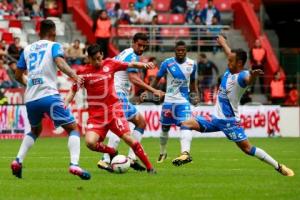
(232, 78)
(105, 69)
(90, 126)
(173, 69)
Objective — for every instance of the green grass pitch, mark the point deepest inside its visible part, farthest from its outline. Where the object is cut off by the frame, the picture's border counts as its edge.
(219, 171)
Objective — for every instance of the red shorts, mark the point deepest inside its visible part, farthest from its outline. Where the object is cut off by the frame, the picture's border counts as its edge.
(118, 126)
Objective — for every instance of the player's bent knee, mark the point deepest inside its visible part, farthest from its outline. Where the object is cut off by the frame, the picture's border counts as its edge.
(128, 139)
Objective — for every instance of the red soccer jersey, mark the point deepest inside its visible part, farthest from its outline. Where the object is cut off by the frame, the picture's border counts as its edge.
(99, 84)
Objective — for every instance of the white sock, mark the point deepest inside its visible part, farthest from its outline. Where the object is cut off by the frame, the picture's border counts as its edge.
(138, 135)
(113, 141)
(262, 155)
(74, 147)
(27, 143)
(186, 137)
(164, 136)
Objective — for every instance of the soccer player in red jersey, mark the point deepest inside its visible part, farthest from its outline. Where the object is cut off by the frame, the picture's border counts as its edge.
(105, 110)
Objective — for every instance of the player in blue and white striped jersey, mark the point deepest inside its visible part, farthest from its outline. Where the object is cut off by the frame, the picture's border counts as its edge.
(226, 118)
(181, 86)
(40, 59)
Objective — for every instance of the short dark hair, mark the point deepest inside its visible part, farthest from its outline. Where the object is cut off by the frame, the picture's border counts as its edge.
(180, 43)
(94, 49)
(203, 55)
(46, 26)
(240, 55)
(140, 36)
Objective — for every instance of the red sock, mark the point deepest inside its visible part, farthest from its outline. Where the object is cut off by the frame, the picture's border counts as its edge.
(139, 151)
(100, 147)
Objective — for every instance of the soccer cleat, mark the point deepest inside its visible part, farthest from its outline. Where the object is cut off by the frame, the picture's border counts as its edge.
(16, 168)
(104, 165)
(151, 171)
(134, 164)
(182, 159)
(284, 170)
(78, 171)
(162, 158)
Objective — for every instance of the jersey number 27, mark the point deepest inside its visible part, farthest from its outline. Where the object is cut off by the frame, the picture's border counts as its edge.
(35, 59)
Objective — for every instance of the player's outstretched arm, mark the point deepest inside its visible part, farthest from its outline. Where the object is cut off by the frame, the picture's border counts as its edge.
(66, 69)
(136, 80)
(223, 43)
(70, 97)
(253, 75)
(194, 93)
(20, 76)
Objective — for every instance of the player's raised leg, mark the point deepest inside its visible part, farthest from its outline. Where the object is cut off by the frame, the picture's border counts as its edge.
(137, 133)
(139, 151)
(246, 147)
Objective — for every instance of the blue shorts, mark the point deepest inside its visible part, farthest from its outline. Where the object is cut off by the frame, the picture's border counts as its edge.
(129, 109)
(230, 127)
(175, 113)
(53, 106)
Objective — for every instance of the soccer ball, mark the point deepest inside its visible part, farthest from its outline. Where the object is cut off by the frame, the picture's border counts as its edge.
(120, 164)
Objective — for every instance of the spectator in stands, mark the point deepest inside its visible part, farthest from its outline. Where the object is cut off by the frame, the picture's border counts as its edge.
(134, 15)
(36, 12)
(6, 7)
(178, 6)
(75, 54)
(258, 57)
(52, 8)
(116, 14)
(12, 66)
(95, 5)
(147, 15)
(2, 49)
(15, 49)
(214, 31)
(102, 29)
(141, 4)
(293, 95)
(192, 14)
(209, 12)
(191, 4)
(5, 81)
(277, 92)
(205, 72)
(18, 8)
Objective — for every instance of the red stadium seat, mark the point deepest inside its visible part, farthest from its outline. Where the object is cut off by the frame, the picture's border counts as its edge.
(8, 37)
(177, 19)
(167, 32)
(163, 18)
(128, 31)
(162, 5)
(182, 32)
(15, 23)
(9, 17)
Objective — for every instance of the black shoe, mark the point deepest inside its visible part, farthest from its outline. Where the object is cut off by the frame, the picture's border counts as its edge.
(151, 171)
(134, 164)
(162, 158)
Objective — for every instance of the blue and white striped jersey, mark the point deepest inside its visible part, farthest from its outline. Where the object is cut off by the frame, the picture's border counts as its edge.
(178, 79)
(122, 83)
(38, 59)
(232, 87)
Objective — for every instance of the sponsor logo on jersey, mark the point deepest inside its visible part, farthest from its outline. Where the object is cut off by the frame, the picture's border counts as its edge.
(106, 69)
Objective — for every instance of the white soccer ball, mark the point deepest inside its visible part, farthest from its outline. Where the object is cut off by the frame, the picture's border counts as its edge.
(120, 164)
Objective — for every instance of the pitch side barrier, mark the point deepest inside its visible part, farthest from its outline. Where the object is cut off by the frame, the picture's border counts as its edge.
(258, 121)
